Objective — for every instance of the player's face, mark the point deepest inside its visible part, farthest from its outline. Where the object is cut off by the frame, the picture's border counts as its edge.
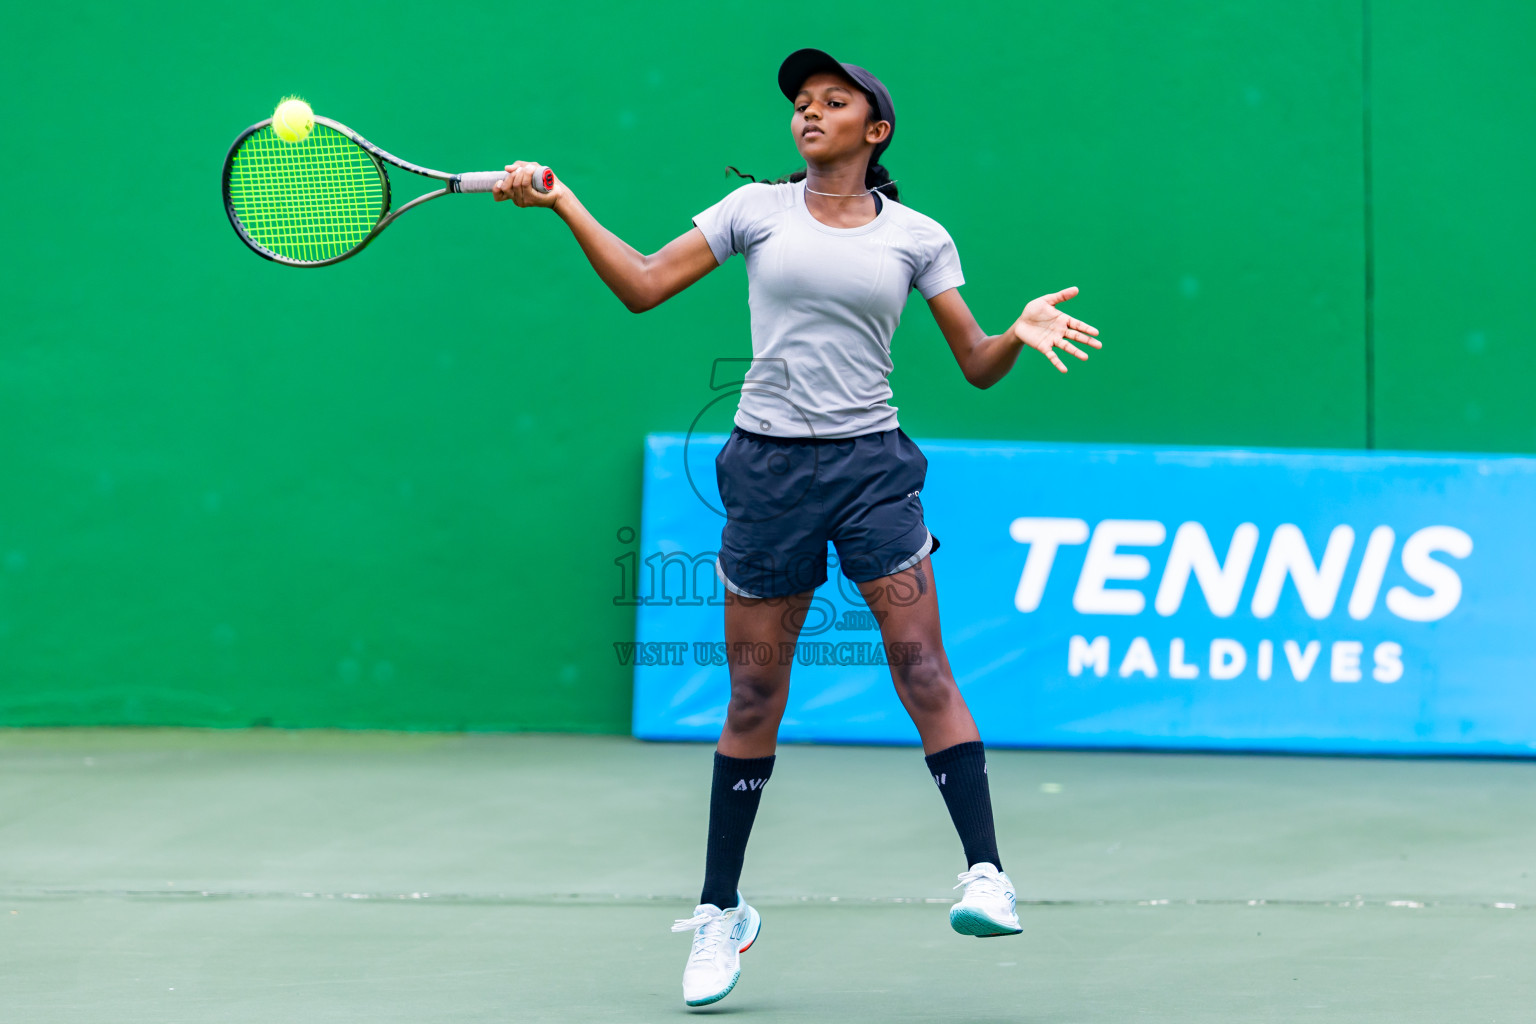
(833, 120)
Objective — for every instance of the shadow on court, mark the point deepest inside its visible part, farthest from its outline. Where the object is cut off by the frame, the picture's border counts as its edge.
(169, 875)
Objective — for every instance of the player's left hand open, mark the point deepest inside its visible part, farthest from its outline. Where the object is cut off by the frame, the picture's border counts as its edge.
(1045, 328)
(518, 186)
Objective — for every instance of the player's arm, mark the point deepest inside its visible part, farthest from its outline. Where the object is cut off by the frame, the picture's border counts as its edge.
(986, 359)
(641, 282)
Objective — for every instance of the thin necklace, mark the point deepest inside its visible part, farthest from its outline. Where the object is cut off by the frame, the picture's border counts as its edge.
(855, 195)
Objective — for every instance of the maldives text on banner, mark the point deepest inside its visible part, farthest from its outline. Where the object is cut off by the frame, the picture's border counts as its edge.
(1143, 597)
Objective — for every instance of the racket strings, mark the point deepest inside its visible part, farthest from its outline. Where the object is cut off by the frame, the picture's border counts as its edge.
(307, 201)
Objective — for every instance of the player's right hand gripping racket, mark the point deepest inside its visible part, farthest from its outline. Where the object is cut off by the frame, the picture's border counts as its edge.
(316, 202)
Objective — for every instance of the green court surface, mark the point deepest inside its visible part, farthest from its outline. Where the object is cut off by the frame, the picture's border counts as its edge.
(180, 876)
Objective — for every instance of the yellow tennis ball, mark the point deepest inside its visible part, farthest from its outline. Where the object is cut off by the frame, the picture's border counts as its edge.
(293, 120)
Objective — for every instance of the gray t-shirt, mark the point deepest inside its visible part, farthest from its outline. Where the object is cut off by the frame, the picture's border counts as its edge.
(825, 302)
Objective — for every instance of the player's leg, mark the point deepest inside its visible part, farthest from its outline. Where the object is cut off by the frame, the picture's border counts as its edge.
(773, 554)
(907, 605)
(724, 925)
(884, 546)
(756, 633)
(754, 630)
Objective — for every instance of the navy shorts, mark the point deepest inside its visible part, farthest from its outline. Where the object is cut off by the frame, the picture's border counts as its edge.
(786, 497)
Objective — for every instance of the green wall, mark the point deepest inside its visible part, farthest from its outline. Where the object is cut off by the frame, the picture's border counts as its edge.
(1454, 132)
(388, 494)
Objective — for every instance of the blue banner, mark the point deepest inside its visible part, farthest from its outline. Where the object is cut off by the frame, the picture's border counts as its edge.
(1144, 597)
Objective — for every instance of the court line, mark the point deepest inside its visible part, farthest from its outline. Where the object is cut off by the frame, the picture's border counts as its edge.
(622, 899)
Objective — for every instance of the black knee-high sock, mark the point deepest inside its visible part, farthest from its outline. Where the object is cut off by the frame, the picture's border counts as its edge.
(733, 800)
(961, 772)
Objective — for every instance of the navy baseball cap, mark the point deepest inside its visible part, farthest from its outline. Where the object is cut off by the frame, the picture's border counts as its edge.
(802, 64)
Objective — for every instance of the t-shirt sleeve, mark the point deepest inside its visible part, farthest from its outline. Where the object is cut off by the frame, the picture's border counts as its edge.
(730, 225)
(942, 271)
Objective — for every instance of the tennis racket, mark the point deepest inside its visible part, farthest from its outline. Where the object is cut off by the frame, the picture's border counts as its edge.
(319, 201)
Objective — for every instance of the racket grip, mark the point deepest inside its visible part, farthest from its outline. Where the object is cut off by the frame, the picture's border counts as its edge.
(485, 181)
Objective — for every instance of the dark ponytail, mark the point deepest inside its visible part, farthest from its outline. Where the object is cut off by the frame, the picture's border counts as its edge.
(876, 178)
(797, 176)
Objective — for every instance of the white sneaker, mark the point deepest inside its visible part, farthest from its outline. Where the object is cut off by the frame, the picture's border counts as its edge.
(987, 908)
(719, 939)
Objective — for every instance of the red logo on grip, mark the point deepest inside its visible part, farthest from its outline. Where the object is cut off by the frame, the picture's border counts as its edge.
(549, 178)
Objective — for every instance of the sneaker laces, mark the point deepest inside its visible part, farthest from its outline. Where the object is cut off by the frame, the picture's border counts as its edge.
(705, 938)
(987, 879)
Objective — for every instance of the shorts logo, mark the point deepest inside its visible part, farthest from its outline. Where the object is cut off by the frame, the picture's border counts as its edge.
(915, 493)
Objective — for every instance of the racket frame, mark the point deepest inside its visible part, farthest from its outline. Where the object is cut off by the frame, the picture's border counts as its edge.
(379, 156)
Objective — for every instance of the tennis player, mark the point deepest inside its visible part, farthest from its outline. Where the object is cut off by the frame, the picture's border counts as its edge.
(831, 257)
